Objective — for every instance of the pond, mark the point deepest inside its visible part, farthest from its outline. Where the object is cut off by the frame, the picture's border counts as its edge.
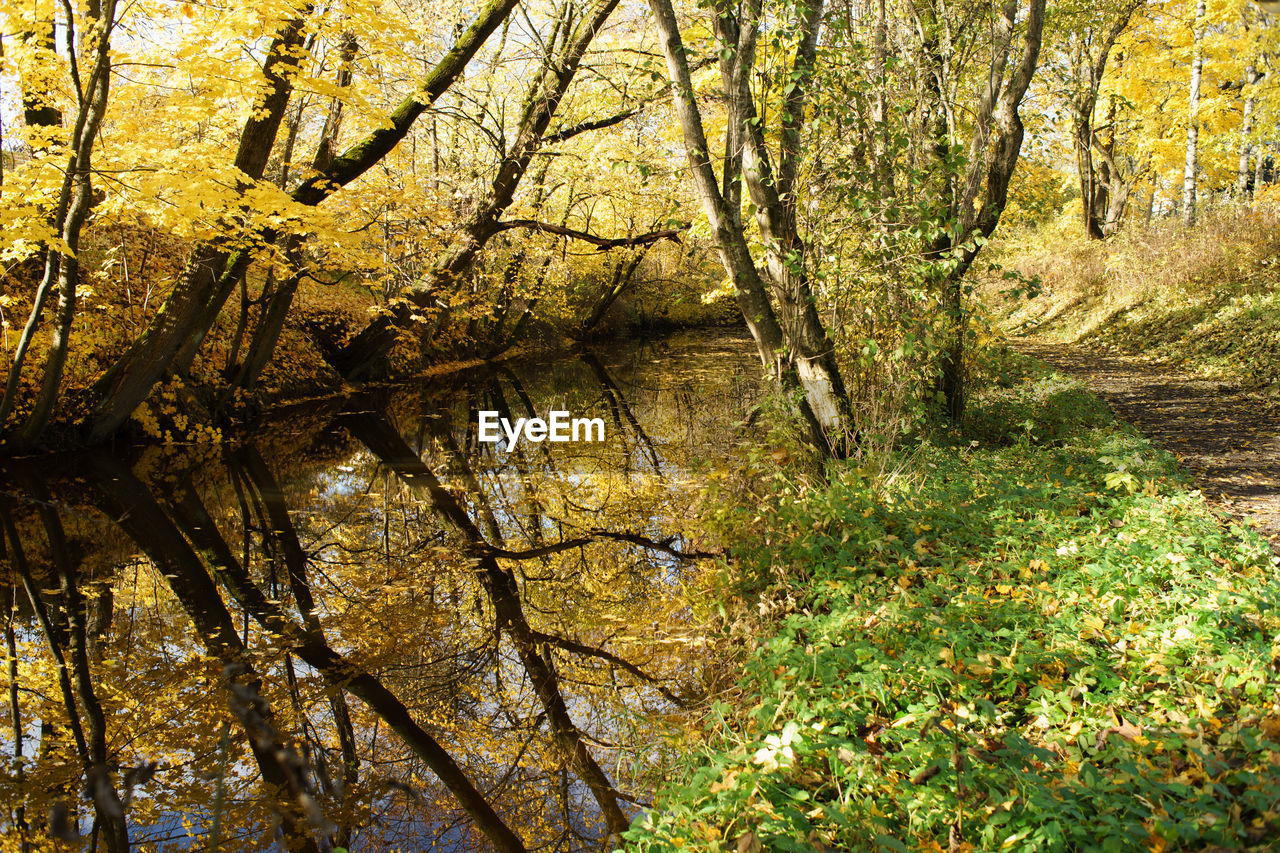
(364, 627)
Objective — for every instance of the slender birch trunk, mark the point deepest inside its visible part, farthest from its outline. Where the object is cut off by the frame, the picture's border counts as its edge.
(1243, 172)
(1193, 117)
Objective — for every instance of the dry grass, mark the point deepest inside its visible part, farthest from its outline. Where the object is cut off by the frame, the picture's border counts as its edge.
(1208, 296)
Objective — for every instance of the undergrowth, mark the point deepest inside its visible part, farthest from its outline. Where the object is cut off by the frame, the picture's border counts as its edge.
(1207, 296)
(1035, 636)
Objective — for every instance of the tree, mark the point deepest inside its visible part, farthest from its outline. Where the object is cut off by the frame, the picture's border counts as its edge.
(964, 190)
(1189, 175)
(979, 191)
(212, 276)
(1089, 41)
(572, 37)
(61, 264)
(800, 352)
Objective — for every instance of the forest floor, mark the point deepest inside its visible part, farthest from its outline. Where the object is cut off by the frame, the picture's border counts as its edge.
(1226, 436)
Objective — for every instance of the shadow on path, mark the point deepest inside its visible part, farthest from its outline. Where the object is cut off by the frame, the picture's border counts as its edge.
(1227, 437)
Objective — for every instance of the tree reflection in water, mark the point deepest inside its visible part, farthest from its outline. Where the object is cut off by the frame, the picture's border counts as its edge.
(378, 633)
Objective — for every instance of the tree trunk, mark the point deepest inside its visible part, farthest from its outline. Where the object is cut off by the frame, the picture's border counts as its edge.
(254, 151)
(1193, 117)
(1116, 207)
(623, 272)
(1087, 71)
(1094, 198)
(93, 105)
(994, 161)
(1244, 175)
(786, 254)
(749, 288)
(179, 327)
(275, 309)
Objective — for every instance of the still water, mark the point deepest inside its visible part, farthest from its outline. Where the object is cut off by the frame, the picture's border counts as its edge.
(364, 628)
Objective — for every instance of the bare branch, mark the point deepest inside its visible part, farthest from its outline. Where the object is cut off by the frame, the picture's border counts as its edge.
(603, 243)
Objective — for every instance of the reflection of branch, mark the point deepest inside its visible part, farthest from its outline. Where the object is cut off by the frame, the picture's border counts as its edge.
(126, 500)
(602, 243)
(485, 550)
(281, 531)
(618, 403)
(596, 652)
(482, 549)
(69, 642)
(389, 446)
(663, 545)
(123, 498)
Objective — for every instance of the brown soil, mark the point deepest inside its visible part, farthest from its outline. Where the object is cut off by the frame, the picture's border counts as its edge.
(1227, 437)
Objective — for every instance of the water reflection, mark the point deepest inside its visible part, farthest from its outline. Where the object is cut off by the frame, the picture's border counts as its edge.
(370, 632)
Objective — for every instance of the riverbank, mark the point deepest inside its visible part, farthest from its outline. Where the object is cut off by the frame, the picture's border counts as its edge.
(1032, 635)
(246, 364)
(204, 411)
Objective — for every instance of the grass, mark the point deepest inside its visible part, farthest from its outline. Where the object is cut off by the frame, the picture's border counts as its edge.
(1208, 296)
(1034, 636)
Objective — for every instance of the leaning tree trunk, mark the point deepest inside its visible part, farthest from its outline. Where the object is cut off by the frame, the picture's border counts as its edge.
(731, 244)
(179, 322)
(774, 196)
(623, 275)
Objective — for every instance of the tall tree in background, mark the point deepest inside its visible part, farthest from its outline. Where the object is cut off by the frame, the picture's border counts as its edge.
(1253, 21)
(1189, 175)
(1089, 40)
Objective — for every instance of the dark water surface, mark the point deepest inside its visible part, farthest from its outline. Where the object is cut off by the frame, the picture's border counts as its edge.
(365, 628)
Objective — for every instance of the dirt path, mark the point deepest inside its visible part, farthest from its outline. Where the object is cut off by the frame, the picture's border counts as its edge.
(1228, 438)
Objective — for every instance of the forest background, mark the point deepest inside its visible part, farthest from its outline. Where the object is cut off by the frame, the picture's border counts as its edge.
(211, 208)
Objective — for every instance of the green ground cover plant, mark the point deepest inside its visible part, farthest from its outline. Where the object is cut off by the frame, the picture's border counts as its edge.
(1034, 635)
